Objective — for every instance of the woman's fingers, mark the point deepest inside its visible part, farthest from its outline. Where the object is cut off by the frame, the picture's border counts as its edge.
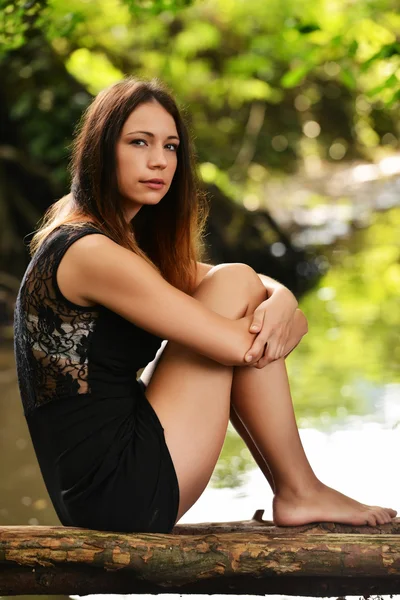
(278, 350)
(254, 355)
(257, 348)
(263, 362)
(262, 353)
(267, 345)
(258, 320)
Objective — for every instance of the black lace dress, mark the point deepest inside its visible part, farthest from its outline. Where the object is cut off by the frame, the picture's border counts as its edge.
(99, 442)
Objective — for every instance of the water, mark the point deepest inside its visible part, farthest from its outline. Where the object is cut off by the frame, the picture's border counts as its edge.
(357, 461)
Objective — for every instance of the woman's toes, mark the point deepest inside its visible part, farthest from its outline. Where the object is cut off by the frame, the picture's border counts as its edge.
(385, 514)
(390, 513)
(370, 519)
(381, 518)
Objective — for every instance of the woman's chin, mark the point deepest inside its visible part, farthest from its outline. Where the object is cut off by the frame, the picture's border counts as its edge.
(152, 201)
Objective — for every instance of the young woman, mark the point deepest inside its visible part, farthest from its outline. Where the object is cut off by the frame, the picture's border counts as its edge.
(115, 270)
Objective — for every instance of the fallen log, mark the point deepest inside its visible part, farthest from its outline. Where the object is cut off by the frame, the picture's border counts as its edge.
(258, 525)
(246, 557)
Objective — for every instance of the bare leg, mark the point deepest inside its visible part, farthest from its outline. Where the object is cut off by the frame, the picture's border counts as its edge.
(191, 393)
(192, 396)
(261, 398)
(248, 440)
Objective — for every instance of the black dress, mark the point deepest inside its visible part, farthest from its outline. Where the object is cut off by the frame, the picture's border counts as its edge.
(99, 442)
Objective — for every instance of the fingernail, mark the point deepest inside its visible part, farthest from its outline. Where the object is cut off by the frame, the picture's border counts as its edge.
(254, 327)
(249, 358)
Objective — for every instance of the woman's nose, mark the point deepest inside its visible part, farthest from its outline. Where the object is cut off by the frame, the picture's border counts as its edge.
(157, 157)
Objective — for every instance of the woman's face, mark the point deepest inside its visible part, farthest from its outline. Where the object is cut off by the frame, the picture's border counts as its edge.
(146, 156)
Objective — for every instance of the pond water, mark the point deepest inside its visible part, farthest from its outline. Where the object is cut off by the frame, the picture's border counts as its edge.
(345, 380)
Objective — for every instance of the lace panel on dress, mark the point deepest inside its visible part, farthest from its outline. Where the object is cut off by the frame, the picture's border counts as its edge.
(51, 334)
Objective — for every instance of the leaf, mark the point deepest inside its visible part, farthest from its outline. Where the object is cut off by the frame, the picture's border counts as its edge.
(336, 41)
(390, 82)
(308, 28)
(198, 37)
(394, 98)
(62, 27)
(293, 77)
(155, 7)
(351, 52)
(347, 77)
(385, 52)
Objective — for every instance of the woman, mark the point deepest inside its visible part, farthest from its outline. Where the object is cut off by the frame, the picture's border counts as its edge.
(115, 270)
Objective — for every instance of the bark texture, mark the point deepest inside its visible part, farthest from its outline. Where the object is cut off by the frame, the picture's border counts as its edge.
(248, 557)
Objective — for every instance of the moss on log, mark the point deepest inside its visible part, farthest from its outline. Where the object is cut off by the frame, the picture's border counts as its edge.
(248, 557)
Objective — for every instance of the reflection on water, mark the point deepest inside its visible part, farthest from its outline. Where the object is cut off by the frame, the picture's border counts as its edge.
(357, 461)
(23, 497)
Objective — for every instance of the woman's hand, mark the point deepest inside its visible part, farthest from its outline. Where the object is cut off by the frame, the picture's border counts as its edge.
(272, 321)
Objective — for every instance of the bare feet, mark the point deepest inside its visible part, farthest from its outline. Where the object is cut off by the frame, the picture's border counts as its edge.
(322, 504)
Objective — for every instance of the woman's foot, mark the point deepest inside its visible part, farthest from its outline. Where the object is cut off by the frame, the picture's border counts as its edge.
(323, 504)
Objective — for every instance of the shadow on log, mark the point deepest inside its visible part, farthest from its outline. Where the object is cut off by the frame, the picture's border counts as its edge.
(247, 557)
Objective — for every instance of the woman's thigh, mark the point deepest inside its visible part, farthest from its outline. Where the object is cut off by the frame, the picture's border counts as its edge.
(191, 393)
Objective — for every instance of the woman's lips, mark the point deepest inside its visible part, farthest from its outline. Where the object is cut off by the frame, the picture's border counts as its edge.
(153, 185)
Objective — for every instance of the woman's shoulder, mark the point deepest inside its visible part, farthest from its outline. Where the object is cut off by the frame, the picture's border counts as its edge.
(85, 237)
(65, 234)
(76, 242)
(78, 227)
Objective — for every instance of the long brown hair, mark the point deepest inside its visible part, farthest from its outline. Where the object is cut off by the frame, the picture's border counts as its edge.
(168, 235)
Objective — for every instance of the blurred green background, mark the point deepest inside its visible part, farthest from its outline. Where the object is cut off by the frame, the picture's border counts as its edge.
(294, 110)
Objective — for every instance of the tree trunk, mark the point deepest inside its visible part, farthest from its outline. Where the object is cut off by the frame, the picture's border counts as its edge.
(249, 557)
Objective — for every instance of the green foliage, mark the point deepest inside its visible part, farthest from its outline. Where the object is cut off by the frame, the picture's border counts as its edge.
(15, 19)
(94, 69)
(155, 7)
(304, 61)
(19, 17)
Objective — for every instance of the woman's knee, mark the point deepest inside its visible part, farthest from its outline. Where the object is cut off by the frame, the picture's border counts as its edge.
(236, 272)
(236, 278)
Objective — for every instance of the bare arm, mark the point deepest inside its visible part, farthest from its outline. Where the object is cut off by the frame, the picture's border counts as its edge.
(271, 285)
(299, 327)
(107, 274)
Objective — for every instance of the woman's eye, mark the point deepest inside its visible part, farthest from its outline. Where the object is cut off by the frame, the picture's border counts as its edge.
(141, 143)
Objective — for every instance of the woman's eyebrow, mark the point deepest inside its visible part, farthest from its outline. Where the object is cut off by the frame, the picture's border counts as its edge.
(170, 137)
